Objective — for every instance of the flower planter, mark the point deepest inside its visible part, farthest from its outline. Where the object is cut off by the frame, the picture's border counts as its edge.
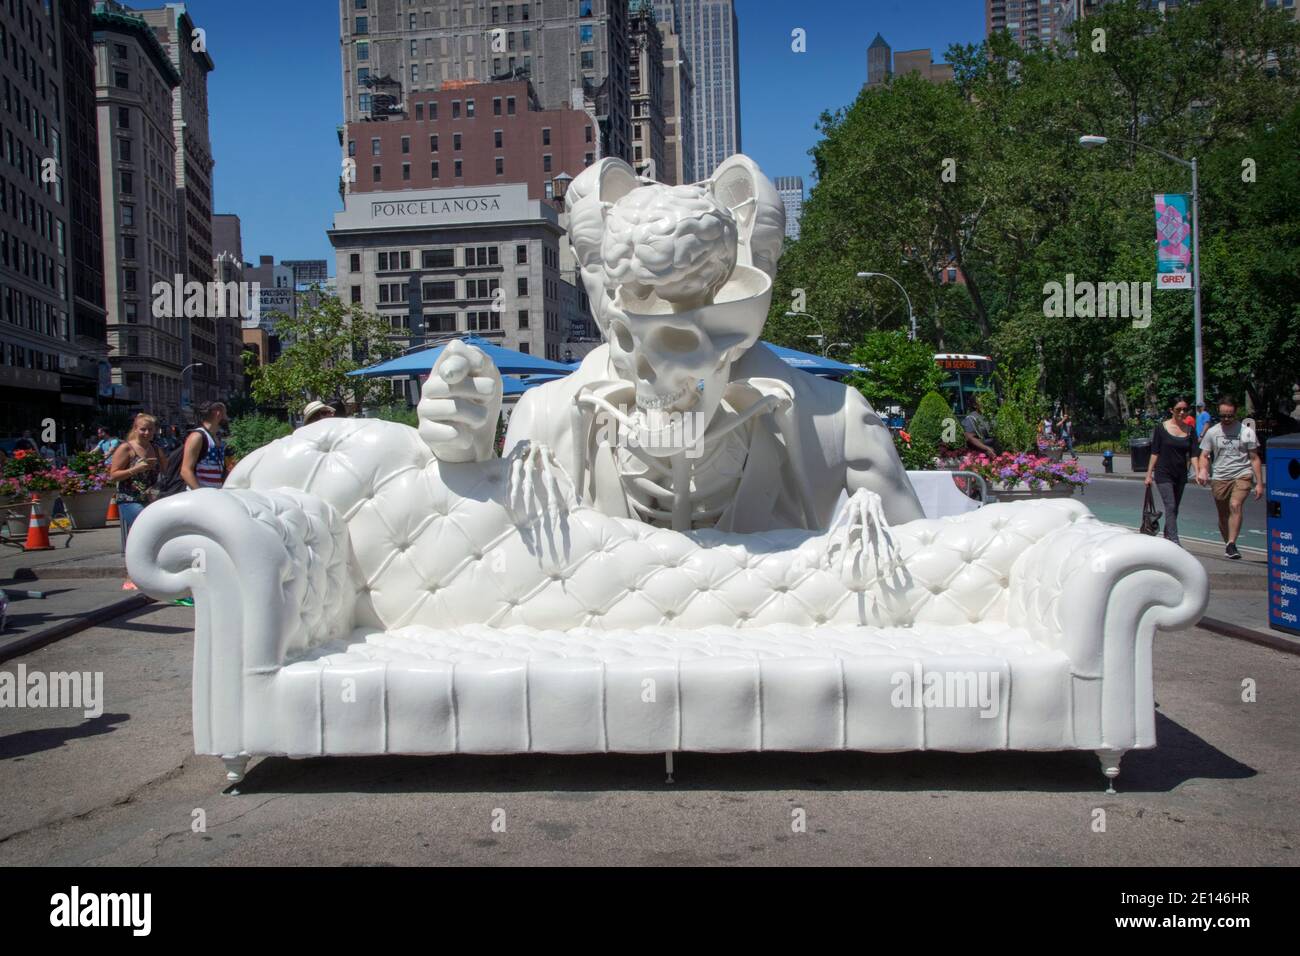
(89, 508)
(1022, 492)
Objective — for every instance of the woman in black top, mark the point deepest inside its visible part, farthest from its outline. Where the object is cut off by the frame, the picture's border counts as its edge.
(1171, 447)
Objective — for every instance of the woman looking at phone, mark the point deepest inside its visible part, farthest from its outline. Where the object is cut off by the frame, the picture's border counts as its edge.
(135, 466)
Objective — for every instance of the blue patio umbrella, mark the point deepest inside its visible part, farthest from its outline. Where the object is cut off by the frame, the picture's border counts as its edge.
(508, 362)
(813, 364)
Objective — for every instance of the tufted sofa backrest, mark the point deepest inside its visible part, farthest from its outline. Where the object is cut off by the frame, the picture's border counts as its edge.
(432, 544)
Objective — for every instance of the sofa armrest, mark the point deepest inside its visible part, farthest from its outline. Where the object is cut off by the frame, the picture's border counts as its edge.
(1099, 593)
(271, 575)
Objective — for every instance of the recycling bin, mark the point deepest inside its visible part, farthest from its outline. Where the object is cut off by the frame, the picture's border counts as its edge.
(1282, 460)
(1139, 453)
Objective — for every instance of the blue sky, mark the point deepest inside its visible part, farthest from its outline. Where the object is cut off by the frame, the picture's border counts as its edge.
(275, 97)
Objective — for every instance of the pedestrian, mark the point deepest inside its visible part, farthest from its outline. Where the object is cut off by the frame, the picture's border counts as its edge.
(204, 464)
(135, 466)
(1233, 449)
(1065, 429)
(1202, 421)
(1172, 445)
(104, 442)
(979, 433)
(315, 412)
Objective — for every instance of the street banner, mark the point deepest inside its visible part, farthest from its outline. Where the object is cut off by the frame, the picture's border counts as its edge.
(1173, 242)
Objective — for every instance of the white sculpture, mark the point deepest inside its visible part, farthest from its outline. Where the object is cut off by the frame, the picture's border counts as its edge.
(357, 596)
(678, 420)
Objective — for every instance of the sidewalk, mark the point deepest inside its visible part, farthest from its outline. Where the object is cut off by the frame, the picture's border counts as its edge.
(82, 584)
(1122, 467)
(1239, 596)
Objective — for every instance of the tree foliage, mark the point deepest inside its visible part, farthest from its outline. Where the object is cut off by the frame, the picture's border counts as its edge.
(900, 371)
(318, 347)
(985, 174)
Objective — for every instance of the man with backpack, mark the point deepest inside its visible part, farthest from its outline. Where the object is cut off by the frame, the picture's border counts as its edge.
(203, 461)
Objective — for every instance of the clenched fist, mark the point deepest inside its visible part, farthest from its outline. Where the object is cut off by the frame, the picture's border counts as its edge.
(459, 404)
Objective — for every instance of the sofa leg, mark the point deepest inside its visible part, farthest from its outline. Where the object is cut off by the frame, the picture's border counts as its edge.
(668, 764)
(235, 765)
(1110, 766)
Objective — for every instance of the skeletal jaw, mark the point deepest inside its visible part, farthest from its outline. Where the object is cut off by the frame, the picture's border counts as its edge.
(681, 400)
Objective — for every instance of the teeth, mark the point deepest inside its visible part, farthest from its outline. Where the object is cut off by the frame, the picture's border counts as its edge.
(654, 403)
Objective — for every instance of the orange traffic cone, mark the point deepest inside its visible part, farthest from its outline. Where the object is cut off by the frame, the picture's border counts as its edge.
(38, 532)
(112, 514)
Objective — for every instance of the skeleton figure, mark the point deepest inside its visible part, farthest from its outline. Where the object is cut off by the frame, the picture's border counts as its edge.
(681, 419)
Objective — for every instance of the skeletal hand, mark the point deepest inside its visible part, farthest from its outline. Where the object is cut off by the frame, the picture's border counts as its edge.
(459, 404)
(859, 528)
(537, 486)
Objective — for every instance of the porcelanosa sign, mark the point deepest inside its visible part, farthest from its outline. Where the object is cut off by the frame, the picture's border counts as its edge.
(440, 207)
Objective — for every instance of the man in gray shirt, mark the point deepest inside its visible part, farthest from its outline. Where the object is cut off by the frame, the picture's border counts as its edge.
(1234, 449)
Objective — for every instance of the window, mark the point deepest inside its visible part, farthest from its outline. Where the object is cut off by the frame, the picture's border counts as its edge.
(129, 279)
(352, 147)
(415, 48)
(523, 318)
(433, 143)
(588, 134)
(481, 256)
(439, 291)
(523, 346)
(406, 171)
(510, 105)
(356, 293)
(121, 80)
(376, 173)
(406, 144)
(584, 8)
(123, 117)
(128, 183)
(483, 321)
(522, 285)
(363, 102)
(501, 166)
(124, 150)
(433, 110)
(119, 51)
(585, 34)
(546, 162)
(128, 214)
(363, 51)
(457, 169)
(128, 247)
(478, 289)
(382, 262)
(469, 109)
(588, 60)
(415, 74)
(523, 13)
(496, 104)
(433, 169)
(354, 262)
(363, 26)
(589, 158)
(546, 136)
(419, 111)
(374, 146)
(521, 255)
(438, 259)
(455, 109)
(440, 322)
(455, 141)
(496, 138)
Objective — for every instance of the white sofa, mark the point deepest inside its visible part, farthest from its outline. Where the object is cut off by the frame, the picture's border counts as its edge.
(355, 596)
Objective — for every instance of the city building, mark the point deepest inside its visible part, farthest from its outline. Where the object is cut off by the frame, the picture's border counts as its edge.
(472, 134)
(710, 35)
(193, 186)
(482, 260)
(228, 269)
(276, 296)
(574, 52)
(883, 63)
(790, 189)
(51, 298)
(134, 80)
(646, 74)
(679, 116)
(308, 272)
(88, 384)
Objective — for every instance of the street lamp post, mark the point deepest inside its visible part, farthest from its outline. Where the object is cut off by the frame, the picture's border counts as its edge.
(910, 314)
(1089, 142)
(821, 339)
(186, 391)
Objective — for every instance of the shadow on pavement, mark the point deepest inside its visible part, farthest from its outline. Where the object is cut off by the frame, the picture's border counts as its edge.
(1181, 756)
(29, 742)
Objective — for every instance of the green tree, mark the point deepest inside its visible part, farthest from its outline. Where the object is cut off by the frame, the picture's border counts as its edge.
(933, 421)
(250, 432)
(318, 347)
(899, 371)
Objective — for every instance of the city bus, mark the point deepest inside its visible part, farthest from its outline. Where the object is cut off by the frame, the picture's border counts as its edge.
(966, 375)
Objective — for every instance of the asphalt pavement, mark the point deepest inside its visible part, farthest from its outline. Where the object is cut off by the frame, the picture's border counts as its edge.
(124, 788)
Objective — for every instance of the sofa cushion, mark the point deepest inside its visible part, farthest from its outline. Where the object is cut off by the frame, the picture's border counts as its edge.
(517, 689)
